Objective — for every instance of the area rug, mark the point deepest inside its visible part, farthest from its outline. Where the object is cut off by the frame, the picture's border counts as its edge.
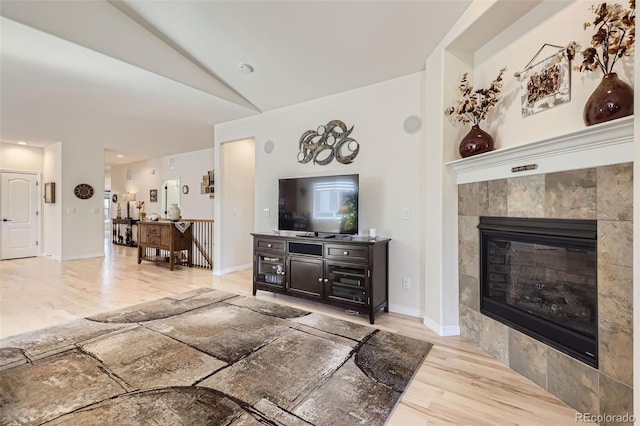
(206, 358)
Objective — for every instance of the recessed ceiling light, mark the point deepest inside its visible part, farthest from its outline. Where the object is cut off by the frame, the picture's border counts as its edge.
(120, 156)
(245, 68)
(22, 143)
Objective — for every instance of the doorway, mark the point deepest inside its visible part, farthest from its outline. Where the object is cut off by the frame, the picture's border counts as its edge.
(236, 185)
(170, 194)
(20, 214)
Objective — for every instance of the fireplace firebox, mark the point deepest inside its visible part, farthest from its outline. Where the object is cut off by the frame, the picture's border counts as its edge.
(539, 276)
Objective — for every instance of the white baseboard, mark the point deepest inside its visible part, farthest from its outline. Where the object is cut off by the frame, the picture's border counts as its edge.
(50, 256)
(83, 256)
(447, 330)
(232, 269)
(405, 310)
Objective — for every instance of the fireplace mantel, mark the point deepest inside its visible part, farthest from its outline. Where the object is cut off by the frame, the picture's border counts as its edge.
(599, 145)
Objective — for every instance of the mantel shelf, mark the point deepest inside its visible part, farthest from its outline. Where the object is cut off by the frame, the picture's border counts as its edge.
(599, 145)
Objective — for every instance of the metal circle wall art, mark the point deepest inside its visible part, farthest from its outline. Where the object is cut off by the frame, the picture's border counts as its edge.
(328, 142)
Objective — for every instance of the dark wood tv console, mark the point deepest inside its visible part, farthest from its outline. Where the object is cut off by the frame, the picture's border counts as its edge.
(352, 273)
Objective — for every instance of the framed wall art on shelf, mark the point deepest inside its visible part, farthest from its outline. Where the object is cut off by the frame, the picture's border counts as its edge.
(207, 185)
(546, 83)
(50, 192)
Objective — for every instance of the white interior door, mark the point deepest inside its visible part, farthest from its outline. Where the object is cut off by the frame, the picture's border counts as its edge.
(19, 198)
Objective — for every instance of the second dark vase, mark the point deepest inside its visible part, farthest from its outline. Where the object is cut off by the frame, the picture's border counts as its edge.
(475, 142)
(613, 98)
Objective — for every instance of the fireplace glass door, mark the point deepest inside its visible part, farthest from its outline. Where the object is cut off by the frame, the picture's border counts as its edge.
(541, 278)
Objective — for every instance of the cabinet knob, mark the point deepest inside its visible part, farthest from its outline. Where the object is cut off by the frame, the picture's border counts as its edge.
(326, 280)
(319, 280)
(269, 245)
(346, 253)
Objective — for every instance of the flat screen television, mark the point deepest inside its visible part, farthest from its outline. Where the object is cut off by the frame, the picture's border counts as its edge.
(322, 204)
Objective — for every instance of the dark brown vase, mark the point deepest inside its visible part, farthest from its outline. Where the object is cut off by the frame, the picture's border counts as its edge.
(613, 98)
(475, 142)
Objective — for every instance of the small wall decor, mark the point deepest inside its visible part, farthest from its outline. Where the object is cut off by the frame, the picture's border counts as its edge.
(153, 195)
(50, 192)
(547, 83)
(207, 185)
(84, 191)
(328, 142)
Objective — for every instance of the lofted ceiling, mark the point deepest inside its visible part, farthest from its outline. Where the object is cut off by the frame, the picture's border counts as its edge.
(151, 78)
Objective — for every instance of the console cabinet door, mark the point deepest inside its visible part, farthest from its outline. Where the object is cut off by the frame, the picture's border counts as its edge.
(306, 276)
(165, 237)
(347, 282)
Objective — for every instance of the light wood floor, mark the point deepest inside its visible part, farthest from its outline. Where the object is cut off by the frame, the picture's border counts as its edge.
(458, 384)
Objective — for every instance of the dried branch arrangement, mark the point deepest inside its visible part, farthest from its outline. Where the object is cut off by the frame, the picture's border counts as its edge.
(475, 103)
(615, 34)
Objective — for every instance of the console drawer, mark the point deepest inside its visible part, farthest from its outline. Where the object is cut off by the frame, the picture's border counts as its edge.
(275, 246)
(349, 253)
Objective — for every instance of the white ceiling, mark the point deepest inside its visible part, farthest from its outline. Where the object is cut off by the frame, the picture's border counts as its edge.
(151, 78)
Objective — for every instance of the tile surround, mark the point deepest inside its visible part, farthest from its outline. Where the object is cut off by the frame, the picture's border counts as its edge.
(603, 193)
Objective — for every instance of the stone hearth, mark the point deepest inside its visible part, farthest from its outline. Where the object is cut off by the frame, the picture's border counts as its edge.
(602, 193)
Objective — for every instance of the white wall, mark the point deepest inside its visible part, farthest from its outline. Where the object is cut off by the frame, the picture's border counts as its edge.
(145, 175)
(189, 168)
(21, 158)
(440, 229)
(52, 212)
(82, 220)
(107, 179)
(236, 181)
(149, 174)
(388, 164)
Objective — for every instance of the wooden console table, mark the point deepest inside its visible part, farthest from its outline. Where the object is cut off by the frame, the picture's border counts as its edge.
(127, 240)
(167, 240)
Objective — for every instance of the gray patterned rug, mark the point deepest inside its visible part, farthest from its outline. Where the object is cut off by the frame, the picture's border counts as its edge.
(205, 358)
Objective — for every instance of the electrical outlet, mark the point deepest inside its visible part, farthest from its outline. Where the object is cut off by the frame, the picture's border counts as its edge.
(266, 212)
(406, 282)
(405, 214)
